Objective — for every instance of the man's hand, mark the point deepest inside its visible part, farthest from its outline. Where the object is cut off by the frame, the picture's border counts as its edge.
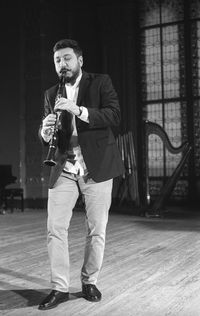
(67, 105)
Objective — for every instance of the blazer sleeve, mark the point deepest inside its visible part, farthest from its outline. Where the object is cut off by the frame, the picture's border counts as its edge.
(47, 110)
(107, 113)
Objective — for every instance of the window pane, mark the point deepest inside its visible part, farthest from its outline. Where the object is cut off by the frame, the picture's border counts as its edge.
(152, 64)
(172, 10)
(149, 12)
(195, 9)
(171, 70)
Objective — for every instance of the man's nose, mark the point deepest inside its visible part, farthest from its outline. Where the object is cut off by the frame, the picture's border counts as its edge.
(63, 63)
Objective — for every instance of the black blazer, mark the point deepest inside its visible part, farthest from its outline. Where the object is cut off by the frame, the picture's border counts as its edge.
(96, 138)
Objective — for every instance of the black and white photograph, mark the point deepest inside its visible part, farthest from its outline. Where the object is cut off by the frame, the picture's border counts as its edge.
(100, 158)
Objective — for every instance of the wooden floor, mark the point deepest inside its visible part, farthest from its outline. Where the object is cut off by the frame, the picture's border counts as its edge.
(151, 266)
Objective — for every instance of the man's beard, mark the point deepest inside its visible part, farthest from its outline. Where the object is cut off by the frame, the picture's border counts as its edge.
(71, 79)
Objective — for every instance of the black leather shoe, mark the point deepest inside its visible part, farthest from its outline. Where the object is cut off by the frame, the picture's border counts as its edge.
(91, 293)
(53, 299)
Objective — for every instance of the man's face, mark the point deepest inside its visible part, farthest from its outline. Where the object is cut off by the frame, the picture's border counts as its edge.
(66, 59)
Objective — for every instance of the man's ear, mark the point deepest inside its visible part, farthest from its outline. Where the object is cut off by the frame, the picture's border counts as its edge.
(80, 59)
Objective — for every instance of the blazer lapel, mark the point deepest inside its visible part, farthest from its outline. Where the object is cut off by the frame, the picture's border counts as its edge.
(82, 88)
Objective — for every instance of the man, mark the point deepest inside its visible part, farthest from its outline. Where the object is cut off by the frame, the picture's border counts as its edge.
(87, 159)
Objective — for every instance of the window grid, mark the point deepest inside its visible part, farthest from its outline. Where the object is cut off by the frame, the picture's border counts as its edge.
(163, 87)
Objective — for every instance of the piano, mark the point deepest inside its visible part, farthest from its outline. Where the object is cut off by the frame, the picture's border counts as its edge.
(6, 178)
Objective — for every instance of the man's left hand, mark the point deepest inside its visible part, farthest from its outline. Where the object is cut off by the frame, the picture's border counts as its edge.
(67, 105)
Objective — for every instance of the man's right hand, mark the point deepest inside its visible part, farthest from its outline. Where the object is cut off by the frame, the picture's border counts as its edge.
(48, 127)
(48, 124)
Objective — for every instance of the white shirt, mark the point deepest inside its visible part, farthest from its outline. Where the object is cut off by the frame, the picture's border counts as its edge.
(78, 167)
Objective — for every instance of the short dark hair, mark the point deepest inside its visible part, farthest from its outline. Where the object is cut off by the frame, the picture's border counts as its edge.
(64, 43)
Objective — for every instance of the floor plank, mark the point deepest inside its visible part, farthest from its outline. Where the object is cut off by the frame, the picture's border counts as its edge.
(151, 266)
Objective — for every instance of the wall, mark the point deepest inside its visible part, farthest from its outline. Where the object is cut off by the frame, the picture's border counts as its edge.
(10, 87)
(106, 32)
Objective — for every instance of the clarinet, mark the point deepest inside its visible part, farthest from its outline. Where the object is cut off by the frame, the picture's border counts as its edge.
(50, 159)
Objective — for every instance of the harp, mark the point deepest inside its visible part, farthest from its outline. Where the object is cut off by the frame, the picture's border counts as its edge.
(155, 210)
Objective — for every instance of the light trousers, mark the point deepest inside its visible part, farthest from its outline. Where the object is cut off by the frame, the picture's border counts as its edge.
(61, 201)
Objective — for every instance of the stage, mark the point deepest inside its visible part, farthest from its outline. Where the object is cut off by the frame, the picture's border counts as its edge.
(151, 266)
